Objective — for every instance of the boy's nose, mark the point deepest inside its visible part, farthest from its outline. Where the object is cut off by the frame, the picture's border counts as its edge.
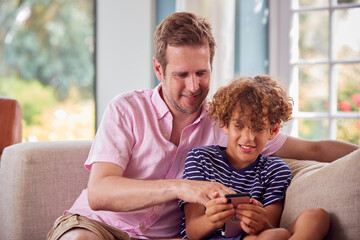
(247, 134)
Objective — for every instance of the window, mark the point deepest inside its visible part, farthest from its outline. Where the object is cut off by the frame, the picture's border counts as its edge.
(316, 53)
(47, 64)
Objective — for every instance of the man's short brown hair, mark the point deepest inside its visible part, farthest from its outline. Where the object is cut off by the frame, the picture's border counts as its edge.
(182, 29)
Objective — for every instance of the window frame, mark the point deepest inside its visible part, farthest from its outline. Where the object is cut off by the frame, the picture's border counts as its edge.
(283, 66)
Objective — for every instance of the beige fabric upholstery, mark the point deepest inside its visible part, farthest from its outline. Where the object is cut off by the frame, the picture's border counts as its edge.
(38, 181)
(331, 186)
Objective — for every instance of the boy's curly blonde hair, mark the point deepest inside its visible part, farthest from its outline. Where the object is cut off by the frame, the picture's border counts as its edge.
(262, 96)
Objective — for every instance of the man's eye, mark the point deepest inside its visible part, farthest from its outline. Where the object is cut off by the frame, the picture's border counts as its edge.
(181, 75)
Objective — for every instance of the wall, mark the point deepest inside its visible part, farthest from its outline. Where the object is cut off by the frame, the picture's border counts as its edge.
(124, 48)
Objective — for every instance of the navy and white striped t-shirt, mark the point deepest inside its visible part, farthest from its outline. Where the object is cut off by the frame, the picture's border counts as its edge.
(266, 179)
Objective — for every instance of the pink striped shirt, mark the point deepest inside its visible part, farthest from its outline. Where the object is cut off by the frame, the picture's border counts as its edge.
(135, 134)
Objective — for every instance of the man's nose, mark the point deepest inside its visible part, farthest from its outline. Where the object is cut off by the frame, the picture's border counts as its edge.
(192, 83)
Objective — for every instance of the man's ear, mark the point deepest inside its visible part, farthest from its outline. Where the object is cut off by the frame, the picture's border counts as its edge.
(274, 130)
(158, 69)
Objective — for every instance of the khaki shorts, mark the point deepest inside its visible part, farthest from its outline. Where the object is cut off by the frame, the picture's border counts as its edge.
(71, 221)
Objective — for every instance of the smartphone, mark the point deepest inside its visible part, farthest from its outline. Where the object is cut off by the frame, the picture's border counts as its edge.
(232, 226)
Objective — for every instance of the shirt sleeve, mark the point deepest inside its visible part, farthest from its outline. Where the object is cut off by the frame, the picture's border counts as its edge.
(114, 138)
(275, 144)
(278, 178)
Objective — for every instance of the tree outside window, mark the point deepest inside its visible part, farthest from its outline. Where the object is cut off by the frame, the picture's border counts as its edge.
(47, 65)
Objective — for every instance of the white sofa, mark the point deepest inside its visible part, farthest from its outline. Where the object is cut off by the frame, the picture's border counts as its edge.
(38, 181)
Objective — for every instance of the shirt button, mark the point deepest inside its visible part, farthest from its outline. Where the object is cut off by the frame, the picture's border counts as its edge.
(142, 228)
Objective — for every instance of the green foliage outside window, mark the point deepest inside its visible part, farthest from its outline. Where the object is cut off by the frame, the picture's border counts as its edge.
(47, 64)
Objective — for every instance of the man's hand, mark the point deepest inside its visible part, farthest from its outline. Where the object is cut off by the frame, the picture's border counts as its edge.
(218, 211)
(192, 191)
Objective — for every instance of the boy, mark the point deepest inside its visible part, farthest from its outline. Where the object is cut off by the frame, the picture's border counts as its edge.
(251, 112)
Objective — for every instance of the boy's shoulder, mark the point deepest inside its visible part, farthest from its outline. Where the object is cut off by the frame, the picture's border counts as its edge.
(205, 149)
(273, 162)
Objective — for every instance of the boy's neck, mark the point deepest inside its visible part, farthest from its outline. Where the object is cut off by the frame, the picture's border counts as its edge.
(238, 165)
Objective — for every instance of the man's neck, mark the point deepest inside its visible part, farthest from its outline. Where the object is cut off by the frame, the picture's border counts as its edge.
(180, 122)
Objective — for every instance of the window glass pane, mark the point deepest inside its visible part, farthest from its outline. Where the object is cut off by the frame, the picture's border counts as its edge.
(313, 88)
(313, 35)
(47, 64)
(346, 38)
(313, 129)
(349, 130)
(347, 1)
(313, 3)
(348, 87)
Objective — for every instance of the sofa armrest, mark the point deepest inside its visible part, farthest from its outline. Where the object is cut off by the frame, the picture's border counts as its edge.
(38, 181)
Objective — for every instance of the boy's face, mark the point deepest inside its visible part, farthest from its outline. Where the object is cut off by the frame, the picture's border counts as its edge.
(244, 143)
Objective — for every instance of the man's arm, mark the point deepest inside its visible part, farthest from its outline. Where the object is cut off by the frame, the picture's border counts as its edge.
(323, 151)
(109, 190)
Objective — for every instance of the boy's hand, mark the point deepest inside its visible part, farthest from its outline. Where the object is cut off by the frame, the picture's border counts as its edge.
(253, 217)
(218, 211)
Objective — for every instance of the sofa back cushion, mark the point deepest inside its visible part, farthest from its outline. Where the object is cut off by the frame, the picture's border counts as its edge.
(38, 181)
(331, 186)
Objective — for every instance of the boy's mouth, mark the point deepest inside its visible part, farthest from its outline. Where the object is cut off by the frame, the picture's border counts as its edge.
(246, 147)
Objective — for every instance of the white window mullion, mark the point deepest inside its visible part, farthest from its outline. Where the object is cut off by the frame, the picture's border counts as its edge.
(332, 80)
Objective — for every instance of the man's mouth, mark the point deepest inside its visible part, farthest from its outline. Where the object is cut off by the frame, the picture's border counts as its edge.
(191, 97)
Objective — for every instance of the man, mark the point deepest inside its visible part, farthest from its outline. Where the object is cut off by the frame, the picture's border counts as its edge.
(138, 154)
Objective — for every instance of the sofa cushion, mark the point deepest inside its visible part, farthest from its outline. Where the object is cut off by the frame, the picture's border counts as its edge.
(38, 181)
(331, 186)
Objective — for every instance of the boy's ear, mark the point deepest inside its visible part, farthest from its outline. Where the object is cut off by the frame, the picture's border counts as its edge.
(274, 130)
(225, 129)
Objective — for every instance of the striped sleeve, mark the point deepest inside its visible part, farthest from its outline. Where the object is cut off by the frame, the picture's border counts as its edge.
(192, 170)
(278, 178)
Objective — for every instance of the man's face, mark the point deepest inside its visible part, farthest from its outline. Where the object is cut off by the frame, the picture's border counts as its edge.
(185, 84)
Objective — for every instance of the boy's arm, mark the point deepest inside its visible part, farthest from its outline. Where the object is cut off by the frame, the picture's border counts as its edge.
(274, 213)
(197, 225)
(322, 151)
(256, 218)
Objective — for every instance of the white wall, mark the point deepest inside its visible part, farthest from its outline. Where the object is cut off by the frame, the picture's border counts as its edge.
(124, 48)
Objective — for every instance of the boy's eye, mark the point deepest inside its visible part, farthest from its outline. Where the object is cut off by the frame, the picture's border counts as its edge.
(259, 129)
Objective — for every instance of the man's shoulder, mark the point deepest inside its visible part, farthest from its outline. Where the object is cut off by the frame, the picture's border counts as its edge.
(132, 100)
(133, 96)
